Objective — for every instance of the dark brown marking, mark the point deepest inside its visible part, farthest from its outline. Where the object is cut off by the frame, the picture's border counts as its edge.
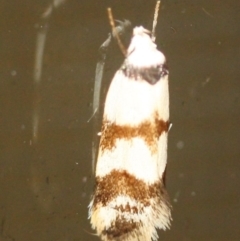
(120, 228)
(122, 183)
(127, 209)
(150, 74)
(148, 131)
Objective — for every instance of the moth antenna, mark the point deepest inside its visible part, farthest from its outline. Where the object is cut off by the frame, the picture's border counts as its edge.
(115, 32)
(155, 20)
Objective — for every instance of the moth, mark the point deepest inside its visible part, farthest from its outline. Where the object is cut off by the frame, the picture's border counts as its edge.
(130, 201)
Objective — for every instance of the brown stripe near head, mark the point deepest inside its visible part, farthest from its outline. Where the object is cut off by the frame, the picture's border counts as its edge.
(122, 183)
(148, 131)
(150, 74)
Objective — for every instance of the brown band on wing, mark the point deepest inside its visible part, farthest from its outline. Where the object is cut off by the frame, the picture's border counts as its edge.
(148, 131)
(122, 183)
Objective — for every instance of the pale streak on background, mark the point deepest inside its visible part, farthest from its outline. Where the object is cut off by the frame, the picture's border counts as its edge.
(37, 72)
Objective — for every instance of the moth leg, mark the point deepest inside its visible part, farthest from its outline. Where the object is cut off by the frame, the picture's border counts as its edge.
(120, 30)
(96, 96)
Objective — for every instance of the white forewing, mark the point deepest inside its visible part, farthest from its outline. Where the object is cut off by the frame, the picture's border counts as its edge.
(130, 201)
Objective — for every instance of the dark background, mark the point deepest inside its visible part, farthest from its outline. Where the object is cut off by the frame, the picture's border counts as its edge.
(45, 186)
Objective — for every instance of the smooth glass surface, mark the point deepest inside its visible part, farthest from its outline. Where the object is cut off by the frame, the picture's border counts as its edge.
(46, 180)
